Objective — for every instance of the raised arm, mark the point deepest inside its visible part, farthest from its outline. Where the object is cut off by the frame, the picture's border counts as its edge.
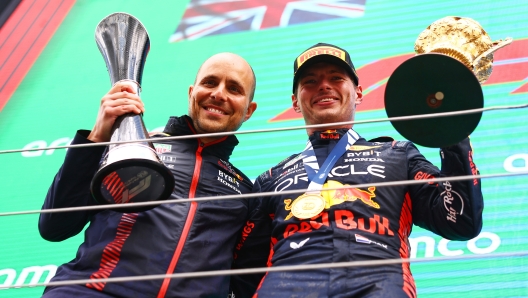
(451, 209)
(71, 186)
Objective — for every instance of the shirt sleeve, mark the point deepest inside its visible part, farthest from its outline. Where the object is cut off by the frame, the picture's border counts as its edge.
(71, 188)
(451, 209)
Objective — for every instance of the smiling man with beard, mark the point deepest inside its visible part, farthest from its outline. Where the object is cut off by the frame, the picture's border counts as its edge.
(170, 238)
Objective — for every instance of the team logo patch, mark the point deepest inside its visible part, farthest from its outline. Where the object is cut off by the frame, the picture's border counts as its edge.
(162, 148)
(363, 239)
(227, 166)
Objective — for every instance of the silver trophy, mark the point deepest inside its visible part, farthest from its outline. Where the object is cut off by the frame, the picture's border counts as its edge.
(129, 172)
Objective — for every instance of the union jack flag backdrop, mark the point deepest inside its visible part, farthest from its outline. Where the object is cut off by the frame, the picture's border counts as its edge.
(211, 17)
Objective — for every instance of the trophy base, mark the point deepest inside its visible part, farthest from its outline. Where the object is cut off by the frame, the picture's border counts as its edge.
(429, 84)
(132, 181)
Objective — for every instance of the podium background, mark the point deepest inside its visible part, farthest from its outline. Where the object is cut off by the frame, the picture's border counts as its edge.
(61, 89)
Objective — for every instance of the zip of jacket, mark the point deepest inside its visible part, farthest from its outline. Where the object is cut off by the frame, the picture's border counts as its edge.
(190, 216)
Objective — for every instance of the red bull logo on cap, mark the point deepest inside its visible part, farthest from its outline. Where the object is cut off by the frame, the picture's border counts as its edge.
(323, 50)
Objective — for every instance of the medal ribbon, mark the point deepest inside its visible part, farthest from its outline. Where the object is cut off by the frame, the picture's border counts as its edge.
(318, 176)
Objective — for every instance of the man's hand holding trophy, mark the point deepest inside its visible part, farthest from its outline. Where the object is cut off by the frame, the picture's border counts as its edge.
(129, 172)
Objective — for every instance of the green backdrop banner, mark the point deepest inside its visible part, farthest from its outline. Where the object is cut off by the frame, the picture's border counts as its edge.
(62, 90)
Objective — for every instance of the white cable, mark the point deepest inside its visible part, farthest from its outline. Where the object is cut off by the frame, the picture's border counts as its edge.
(222, 134)
(261, 194)
(269, 269)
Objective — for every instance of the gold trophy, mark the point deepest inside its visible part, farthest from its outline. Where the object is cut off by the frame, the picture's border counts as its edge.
(454, 57)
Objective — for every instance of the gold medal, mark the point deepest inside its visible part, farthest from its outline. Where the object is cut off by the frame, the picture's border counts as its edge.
(307, 206)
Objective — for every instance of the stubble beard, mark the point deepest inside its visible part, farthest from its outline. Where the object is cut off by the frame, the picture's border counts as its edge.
(204, 125)
(209, 126)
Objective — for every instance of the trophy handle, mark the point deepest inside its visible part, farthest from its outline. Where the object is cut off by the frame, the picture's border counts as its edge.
(496, 46)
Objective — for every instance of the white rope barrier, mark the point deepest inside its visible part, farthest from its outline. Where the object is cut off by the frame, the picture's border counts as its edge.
(261, 194)
(222, 134)
(272, 269)
(266, 194)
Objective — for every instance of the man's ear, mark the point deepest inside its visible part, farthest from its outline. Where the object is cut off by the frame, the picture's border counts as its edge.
(359, 93)
(191, 88)
(251, 108)
(295, 104)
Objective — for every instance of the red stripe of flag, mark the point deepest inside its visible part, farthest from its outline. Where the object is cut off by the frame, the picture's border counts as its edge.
(25, 34)
(15, 28)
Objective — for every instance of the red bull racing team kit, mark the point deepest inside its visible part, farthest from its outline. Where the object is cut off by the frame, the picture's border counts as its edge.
(170, 238)
(332, 223)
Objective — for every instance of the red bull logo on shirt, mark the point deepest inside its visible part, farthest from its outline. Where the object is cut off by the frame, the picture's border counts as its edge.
(340, 193)
(343, 220)
(338, 196)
